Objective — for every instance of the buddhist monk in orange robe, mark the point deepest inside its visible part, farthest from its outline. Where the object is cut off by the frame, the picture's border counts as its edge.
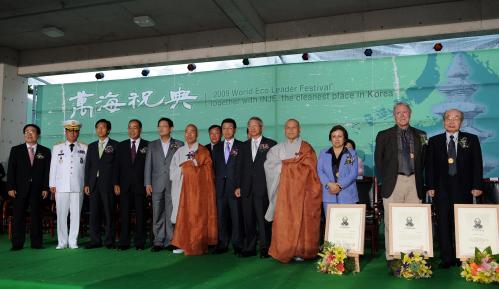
(193, 196)
(295, 197)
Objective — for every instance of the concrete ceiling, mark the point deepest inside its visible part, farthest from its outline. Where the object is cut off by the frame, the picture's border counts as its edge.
(210, 29)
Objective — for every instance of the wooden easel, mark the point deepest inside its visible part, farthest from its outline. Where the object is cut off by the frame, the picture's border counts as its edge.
(357, 261)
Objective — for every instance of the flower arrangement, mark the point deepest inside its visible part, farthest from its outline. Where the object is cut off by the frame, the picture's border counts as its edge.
(411, 266)
(481, 268)
(334, 260)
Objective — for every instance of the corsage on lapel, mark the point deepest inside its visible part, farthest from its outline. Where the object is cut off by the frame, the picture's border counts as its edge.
(109, 149)
(173, 145)
(423, 139)
(234, 152)
(263, 147)
(464, 143)
(349, 160)
(40, 156)
(191, 155)
(143, 150)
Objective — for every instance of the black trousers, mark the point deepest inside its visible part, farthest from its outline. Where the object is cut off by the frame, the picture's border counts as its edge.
(255, 226)
(230, 223)
(133, 197)
(446, 197)
(34, 201)
(102, 211)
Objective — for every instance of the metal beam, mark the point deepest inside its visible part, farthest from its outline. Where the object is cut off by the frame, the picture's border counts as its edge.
(445, 20)
(245, 17)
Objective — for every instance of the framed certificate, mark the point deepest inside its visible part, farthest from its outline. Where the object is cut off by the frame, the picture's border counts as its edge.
(345, 226)
(476, 226)
(410, 229)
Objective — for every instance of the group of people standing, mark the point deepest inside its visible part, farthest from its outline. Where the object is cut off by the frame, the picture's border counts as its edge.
(258, 196)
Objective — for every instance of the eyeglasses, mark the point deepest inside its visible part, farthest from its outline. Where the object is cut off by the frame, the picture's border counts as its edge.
(72, 130)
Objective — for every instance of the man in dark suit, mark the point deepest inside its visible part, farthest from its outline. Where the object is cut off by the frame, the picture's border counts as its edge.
(131, 158)
(226, 161)
(215, 133)
(253, 190)
(100, 178)
(454, 174)
(399, 158)
(28, 183)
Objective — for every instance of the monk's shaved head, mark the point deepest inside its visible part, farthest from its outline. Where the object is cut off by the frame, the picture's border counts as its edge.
(293, 120)
(292, 129)
(192, 126)
(191, 134)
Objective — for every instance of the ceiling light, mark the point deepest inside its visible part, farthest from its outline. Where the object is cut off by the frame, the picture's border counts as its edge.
(143, 21)
(53, 32)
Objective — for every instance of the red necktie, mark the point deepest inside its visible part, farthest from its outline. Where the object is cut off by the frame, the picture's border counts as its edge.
(133, 152)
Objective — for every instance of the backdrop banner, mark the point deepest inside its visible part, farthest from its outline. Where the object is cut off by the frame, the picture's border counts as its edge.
(358, 94)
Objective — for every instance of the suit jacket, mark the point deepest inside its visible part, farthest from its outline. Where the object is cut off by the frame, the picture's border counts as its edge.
(105, 165)
(227, 175)
(129, 172)
(252, 173)
(208, 146)
(157, 166)
(21, 176)
(386, 159)
(347, 176)
(469, 165)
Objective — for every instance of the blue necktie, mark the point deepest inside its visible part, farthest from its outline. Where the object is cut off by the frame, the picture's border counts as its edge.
(227, 151)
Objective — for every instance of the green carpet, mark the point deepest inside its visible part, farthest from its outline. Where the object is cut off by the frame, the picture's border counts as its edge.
(103, 268)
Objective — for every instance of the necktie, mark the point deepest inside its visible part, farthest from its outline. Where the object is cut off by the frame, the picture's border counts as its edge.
(133, 151)
(227, 151)
(406, 161)
(451, 150)
(31, 151)
(101, 148)
(254, 149)
(71, 146)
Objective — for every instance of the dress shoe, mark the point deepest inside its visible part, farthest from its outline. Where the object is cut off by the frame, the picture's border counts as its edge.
(238, 251)
(444, 265)
(139, 247)
(220, 250)
(123, 247)
(178, 251)
(37, 247)
(156, 248)
(298, 259)
(73, 247)
(93, 246)
(264, 253)
(60, 247)
(110, 246)
(170, 248)
(16, 248)
(246, 254)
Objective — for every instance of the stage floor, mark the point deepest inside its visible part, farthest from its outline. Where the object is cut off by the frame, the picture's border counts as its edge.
(103, 268)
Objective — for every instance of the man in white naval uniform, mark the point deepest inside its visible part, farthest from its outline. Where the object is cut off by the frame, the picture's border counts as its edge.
(66, 183)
